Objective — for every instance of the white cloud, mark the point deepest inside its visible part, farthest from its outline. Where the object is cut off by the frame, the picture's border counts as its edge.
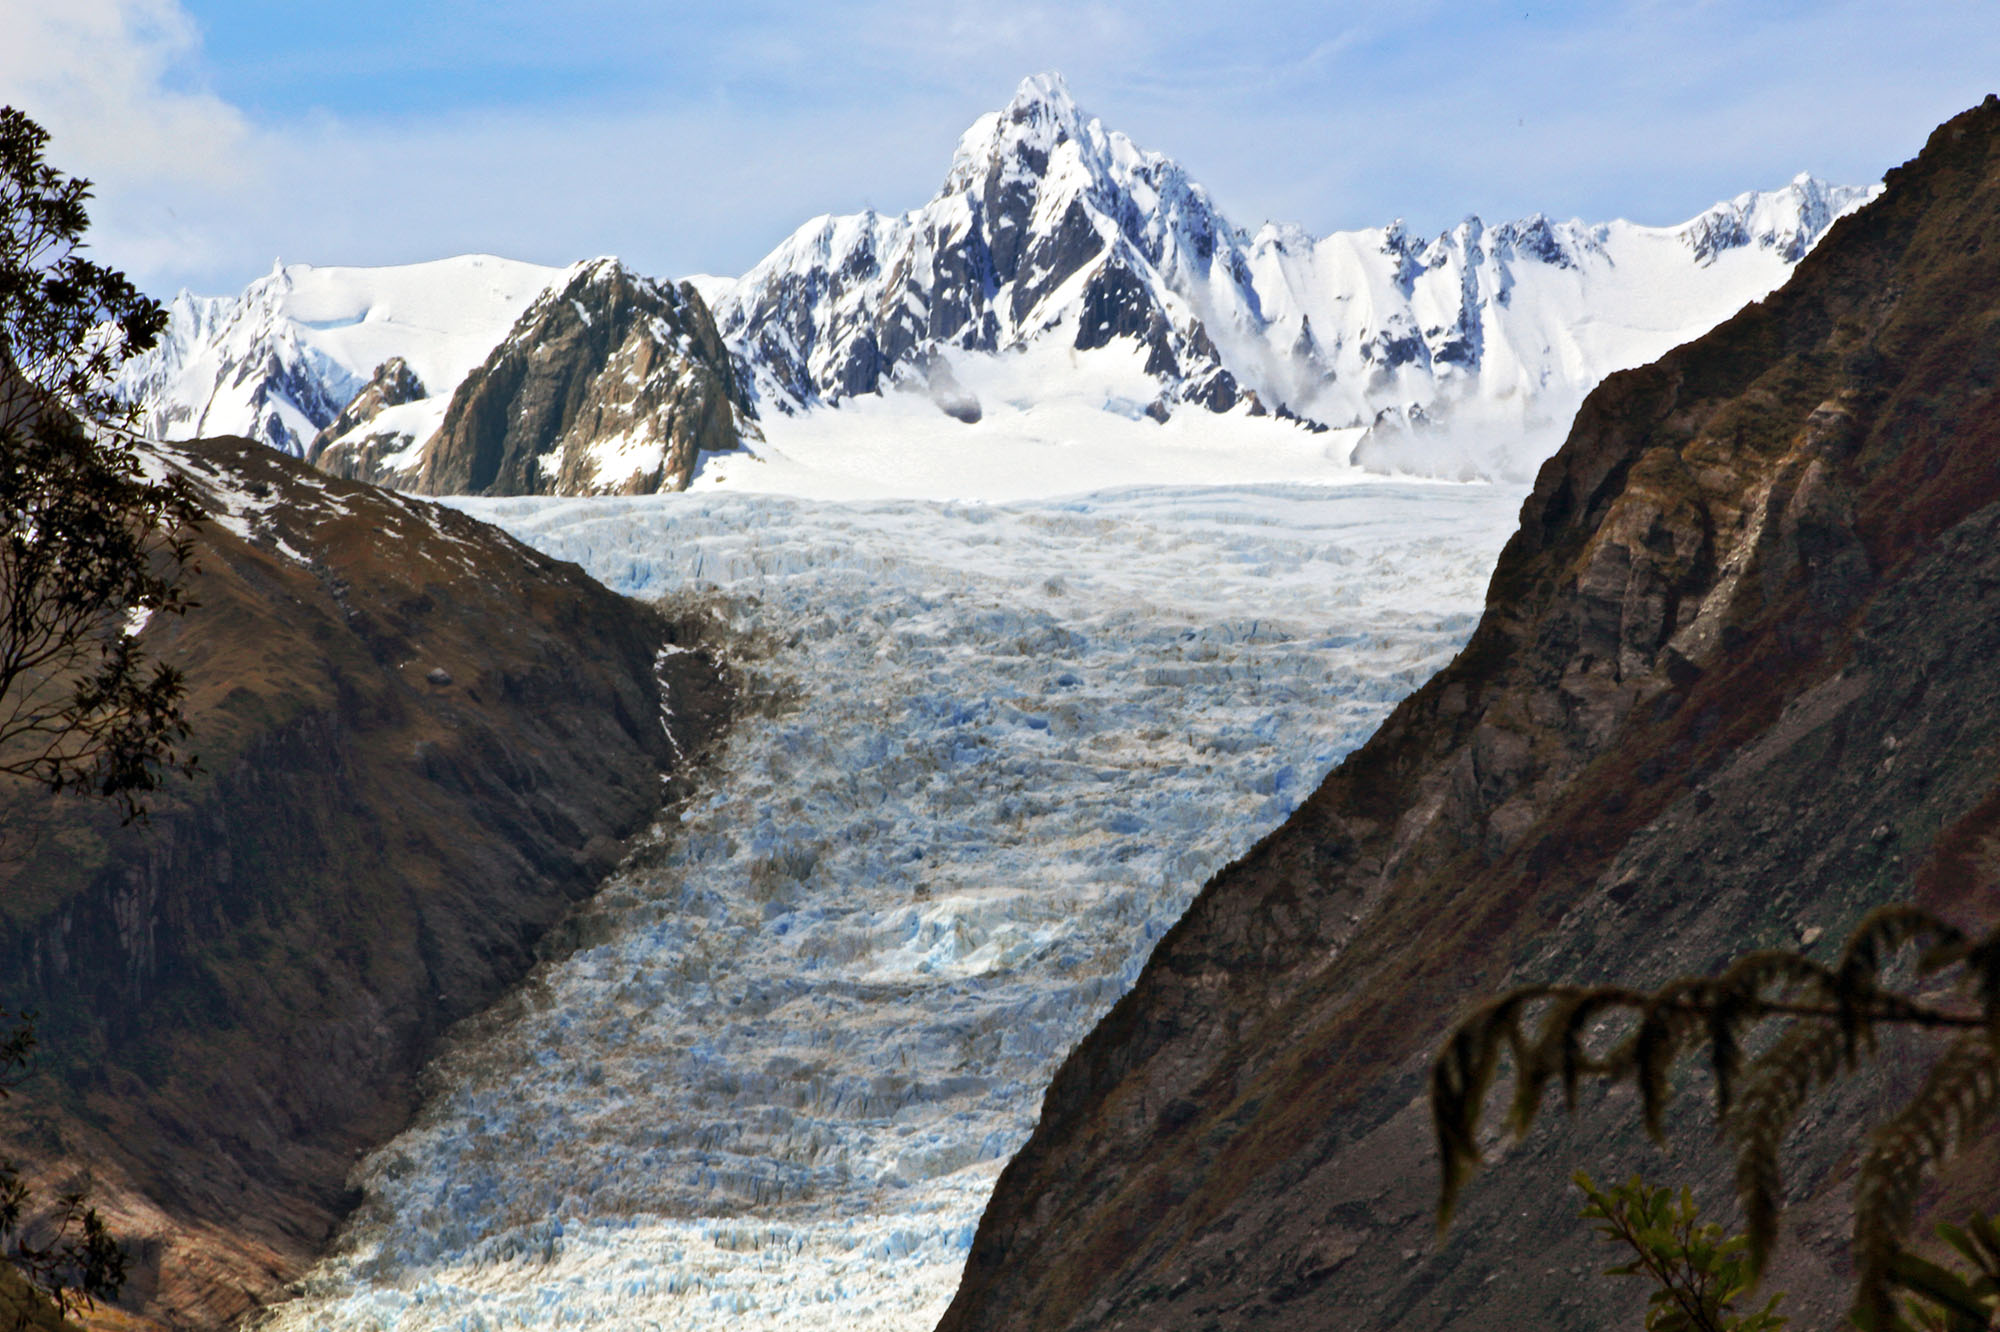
(106, 78)
(97, 73)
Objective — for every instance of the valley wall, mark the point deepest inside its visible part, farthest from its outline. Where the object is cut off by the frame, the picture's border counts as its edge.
(421, 742)
(1734, 686)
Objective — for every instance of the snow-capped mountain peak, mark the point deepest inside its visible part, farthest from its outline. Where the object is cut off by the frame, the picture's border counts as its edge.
(1786, 221)
(1060, 258)
(1052, 229)
(279, 362)
(1046, 221)
(1041, 117)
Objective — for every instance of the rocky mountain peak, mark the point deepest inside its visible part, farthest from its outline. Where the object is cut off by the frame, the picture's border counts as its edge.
(280, 361)
(1048, 225)
(610, 382)
(359, 445)
(1787, 220)
(1051, 230)
(1020, 137)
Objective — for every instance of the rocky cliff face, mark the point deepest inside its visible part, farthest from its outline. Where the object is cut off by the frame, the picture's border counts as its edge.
(423, 741)
(358, 445)
(609, 384)
(1733, 687)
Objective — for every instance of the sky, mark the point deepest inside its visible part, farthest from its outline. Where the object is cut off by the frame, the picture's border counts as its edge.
(225, 134)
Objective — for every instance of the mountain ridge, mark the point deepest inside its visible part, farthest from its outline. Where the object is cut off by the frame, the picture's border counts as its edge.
(1459, 355)
(422, 742)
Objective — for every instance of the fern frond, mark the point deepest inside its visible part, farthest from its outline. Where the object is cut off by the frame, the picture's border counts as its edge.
(1983, 961)
(1674, 1021)
(1960, 1095)
(1878, 936)
(1789, 974)
(1886, 929)
(1460, 1078)
(1558, 1050)
(1807, 1055)
(1571, 1058)
(1464, 1071)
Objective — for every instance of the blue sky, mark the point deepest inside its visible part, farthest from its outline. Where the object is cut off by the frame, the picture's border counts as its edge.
(691, 138)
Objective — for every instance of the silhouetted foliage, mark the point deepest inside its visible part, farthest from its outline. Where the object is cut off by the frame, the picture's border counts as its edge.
(1828, 1019)
(91, 544)
(1946, 1301)
(67, 1254)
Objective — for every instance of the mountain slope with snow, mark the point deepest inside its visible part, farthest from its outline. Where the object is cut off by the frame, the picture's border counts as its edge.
(1059, 265)
(1052, 229)
(280, 362)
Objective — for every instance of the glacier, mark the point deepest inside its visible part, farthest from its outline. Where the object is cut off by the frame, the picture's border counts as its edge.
(992, 751)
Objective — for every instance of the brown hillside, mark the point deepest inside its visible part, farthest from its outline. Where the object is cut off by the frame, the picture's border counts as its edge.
(1735, 684)
(422, 741)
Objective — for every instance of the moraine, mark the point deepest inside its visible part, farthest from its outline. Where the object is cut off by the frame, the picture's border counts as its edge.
(1003, 746)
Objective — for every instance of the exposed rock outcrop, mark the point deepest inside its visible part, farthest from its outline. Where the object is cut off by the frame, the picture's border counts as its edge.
(1052, 231)
(1734, 686)
(423, 742)
(610, 383)
(347, 448)
(278, 361)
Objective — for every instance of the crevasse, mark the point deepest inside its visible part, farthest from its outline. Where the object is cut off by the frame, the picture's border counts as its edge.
(1000, 747)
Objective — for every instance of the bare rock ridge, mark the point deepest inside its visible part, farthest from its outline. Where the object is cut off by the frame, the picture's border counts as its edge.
(610, 383)
(347, 448)
(1734, 686)
(423, 742)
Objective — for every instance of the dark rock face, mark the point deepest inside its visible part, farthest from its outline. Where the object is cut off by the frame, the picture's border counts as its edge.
(366, 457)
(423, 742)
(1038, 227)
(277, 381)
(611, 383)
(1734, 686)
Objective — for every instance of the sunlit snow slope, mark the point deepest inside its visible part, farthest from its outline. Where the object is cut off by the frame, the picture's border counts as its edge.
(280, 361)
(1004, 745)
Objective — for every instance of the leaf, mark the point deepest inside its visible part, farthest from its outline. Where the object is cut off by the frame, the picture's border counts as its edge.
(1941, 1287)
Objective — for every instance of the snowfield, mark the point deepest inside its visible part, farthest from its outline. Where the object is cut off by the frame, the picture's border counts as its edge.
(1000, 748)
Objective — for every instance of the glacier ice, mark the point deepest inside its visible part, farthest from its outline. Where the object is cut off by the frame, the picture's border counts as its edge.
(998, 747)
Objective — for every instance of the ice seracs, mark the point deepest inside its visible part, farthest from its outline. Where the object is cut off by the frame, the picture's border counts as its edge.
(994, 751)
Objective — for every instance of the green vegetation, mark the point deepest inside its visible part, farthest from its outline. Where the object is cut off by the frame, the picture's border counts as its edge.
(1778, 1026)
(88, 543)
(67, 1255)
(89, 546)
(1698, 1272)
